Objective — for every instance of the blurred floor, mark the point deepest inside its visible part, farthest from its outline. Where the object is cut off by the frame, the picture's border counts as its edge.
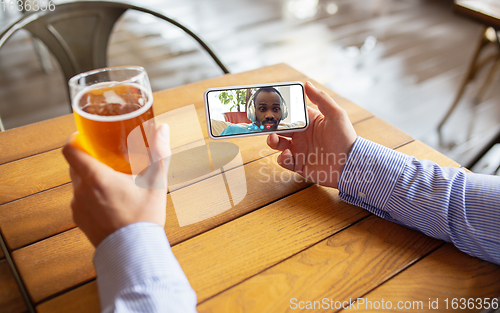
(401, 59)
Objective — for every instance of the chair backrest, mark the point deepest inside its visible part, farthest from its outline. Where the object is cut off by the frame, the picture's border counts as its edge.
(77, 33)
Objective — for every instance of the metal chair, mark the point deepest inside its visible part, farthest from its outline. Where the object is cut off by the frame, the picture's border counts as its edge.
(77, 33)
(476, 66)
(487, 13)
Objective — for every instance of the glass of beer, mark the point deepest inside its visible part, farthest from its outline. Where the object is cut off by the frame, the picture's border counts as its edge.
(108, 104)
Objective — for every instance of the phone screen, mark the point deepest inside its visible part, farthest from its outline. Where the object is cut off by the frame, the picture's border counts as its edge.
(255, 109)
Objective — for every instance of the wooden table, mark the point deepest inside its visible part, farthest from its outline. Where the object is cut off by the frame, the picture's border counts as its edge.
(486, 12)
(283, 241)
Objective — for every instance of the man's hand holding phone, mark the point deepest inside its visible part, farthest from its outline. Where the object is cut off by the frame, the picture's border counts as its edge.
(320, 152)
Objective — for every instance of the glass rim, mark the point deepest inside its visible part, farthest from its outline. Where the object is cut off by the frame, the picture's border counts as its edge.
(73, 81)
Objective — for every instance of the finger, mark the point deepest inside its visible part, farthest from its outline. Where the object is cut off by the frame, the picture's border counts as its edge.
(285, 160)
(153, 177)
(313, 113)
(165, 167)
(75, 178)
(325, 103)
(288, 135)
(81, 162)
(160, 147)
(278, 143)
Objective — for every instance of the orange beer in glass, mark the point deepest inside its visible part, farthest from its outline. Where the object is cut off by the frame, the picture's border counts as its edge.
(108, 104)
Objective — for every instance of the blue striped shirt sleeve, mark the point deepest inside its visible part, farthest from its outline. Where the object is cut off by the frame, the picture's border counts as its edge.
(137, 272)
(443, 202)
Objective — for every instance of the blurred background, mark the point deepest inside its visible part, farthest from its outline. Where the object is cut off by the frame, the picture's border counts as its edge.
(403, 60)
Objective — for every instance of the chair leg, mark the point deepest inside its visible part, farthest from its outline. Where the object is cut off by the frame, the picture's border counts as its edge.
(491, 74)
(484, 89)
(483, 151)
(43, 55)
(470, 75)
(2, 129)
(488, 81)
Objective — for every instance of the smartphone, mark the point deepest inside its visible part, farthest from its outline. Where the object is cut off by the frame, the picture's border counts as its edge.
(252, 110)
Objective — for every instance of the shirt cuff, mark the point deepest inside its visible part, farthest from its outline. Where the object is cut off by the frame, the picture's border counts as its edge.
(370, 175)
(132, 255)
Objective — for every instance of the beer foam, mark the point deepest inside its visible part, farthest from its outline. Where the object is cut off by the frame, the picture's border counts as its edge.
(111, 97)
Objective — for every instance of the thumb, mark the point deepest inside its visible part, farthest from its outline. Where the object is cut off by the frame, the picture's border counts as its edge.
(325, 103)
(286, 160)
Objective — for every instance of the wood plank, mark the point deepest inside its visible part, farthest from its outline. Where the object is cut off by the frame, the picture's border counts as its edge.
(31, 175)
(341, 267)
(51, 134)
(11, 300)
(421, 151)
(82, 299)
(446, 273)
(36, 138)
(467, 170)
(46, 274)
(355, 112)
(37, 217)
(378, 130)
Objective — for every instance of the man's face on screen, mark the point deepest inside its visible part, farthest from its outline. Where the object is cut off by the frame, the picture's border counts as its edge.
(267, 110)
